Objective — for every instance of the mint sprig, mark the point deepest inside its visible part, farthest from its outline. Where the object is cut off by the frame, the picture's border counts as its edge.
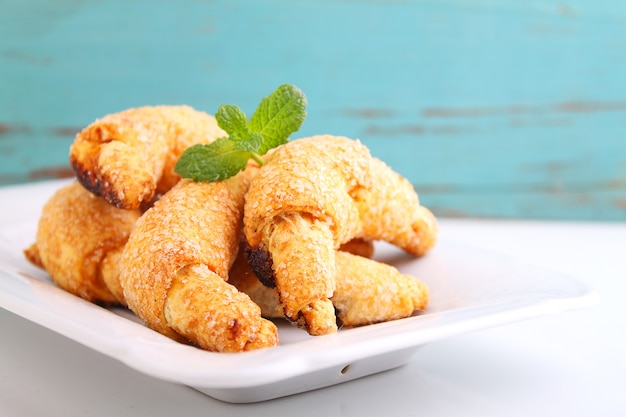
(278, 116)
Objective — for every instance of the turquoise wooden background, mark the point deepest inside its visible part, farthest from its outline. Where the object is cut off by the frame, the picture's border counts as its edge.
(492, 108)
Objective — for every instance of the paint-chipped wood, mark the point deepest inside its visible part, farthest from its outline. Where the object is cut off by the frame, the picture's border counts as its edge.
(491, 108)
(51, 173)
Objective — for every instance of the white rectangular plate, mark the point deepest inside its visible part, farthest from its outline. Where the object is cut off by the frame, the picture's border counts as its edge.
(470, 290)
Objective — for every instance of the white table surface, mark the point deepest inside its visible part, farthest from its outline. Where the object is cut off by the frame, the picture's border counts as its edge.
(570, 364)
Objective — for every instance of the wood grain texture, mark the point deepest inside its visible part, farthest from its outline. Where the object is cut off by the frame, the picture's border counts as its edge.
(491, 108)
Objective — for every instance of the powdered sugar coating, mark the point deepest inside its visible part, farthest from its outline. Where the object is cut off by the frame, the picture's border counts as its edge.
(129, 156)
(327, 183)
(78, 236)
(204, 308)
(371, 292)
(366, 291)
(193, 223)
(314, 175)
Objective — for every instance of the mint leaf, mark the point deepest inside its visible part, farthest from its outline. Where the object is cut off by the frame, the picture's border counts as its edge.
(251, 144)
(232, 120)
(213, 162)
(278, 116)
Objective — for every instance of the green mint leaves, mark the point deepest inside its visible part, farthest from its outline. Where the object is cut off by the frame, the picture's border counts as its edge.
(278, 116)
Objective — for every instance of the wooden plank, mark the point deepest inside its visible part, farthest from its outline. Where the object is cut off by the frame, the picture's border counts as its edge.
(491, 108)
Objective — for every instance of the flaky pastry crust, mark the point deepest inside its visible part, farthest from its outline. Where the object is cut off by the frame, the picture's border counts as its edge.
(313, 195)
(79, 241)
(128, 157)
(172, 260)
(366, 291)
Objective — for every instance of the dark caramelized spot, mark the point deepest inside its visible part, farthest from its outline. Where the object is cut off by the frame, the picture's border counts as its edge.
(96, 186)
(260, 262)
(301, 322)
(338, 321)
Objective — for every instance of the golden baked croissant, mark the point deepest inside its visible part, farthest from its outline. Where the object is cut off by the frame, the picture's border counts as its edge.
(79, 242)
(366, 291)
(312, 195)
(176, 262)
(128, 157)
(242, 277)
(370, 292)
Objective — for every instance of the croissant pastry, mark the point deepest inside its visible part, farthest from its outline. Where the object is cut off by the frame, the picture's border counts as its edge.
(242, 277)
(176, 263)
(370, 292)
(366, 291)
(79, 242)
(129, 157)
(312, 195)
